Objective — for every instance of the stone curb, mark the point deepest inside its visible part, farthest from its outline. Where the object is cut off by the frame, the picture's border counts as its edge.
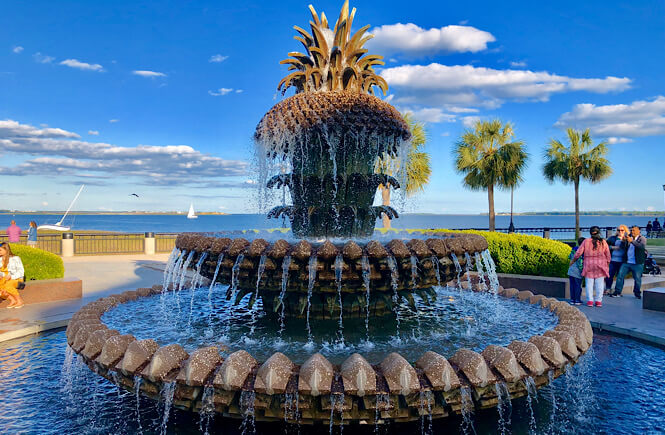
(355, 391)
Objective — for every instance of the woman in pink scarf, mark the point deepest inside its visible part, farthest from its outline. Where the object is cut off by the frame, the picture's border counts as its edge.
(596, 266)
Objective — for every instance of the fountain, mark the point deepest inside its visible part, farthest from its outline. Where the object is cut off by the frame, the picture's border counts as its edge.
(330, 135)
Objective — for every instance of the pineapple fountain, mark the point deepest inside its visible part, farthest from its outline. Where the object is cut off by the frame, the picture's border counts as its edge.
(329, 135)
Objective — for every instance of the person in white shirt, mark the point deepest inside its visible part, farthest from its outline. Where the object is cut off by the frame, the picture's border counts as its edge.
(11, 274)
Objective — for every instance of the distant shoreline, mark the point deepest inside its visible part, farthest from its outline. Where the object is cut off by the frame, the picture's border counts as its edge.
(112, 213)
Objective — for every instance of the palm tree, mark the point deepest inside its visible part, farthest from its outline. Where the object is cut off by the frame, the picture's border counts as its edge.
(417, 168)
(579, 160)
(488, 157)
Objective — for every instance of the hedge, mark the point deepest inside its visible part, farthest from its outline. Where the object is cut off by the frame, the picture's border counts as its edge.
(39, 264)
(519, 253)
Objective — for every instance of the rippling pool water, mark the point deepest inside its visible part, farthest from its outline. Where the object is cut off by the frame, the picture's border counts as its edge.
(615, 388)
(456, 319)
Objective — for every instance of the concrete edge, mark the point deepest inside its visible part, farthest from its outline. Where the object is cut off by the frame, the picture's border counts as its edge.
(34, 329)
(631, 333)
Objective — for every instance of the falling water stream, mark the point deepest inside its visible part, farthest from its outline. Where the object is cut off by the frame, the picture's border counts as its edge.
(366, 283)
(310, 288)
(285, 280)
(339, 268)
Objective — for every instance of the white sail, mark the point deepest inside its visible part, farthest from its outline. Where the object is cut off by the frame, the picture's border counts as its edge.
(59, 226)
(191, 214)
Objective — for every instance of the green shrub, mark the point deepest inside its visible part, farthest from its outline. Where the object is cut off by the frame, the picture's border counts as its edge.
(527, 255)
(39, 264)
(521, 254)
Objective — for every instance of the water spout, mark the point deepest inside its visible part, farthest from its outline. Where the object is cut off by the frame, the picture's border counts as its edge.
(285, 280)
(339, 267)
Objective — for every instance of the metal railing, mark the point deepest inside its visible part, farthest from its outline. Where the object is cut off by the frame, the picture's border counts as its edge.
(48, 242)
(165, 242)
(93, 244)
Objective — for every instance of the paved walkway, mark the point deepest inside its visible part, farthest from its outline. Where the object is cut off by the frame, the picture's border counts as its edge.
(101, 275)
(104, 275)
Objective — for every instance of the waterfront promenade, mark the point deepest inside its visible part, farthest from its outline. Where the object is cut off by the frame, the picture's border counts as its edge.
(105, 275)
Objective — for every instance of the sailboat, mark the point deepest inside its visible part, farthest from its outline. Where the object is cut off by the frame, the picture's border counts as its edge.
(191, 214)
(59, 226)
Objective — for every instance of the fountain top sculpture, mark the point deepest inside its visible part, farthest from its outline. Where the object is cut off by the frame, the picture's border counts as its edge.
(332, 132)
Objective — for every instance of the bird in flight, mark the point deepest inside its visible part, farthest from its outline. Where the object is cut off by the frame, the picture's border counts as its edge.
(133, 194)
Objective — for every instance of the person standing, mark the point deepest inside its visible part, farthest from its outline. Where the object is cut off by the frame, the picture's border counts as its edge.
(615, 243)
(635, 246)
(575, 275)
(596, 266)
(656, 228)
(32, 234)
(649, 229)
(13, 232)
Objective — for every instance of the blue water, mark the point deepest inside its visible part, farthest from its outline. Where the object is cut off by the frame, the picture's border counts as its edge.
(617, 387)
(179, 223)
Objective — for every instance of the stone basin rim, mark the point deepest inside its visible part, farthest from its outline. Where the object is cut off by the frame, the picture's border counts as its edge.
(433, 375)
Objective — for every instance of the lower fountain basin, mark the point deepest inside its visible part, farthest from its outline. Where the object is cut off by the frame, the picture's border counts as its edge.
(355, 391)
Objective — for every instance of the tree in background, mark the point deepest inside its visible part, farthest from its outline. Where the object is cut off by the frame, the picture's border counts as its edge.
(488, 156)
(580, 160)
(414, 171)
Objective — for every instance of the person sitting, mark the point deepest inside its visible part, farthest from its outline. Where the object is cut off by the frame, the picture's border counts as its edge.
(11, 274)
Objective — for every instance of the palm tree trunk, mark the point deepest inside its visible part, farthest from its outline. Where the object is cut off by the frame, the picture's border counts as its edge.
(490, 199)
(385, 200)
(577, 208)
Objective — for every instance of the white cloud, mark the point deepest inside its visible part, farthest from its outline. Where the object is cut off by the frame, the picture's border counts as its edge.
(431, 114)
(239, 91)
(520, 64)
(221, 92)
(413, 40)
(217, 58)
(93, 132)
(619, 121)
(60, 152)
(113, 121)
(445, 134)
(44, 203)
(149, 74)
(17, 49)
(74, 63)
(469, 86)
(42, 58)
(470, 121)
(613, 140)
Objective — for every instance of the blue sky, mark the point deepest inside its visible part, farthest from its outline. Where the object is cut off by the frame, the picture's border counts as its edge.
(162, 99)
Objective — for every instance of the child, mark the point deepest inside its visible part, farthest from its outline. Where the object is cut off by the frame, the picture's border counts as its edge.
(575, 276)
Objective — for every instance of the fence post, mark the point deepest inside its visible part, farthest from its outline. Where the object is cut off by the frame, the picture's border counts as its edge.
(608, 232)
(67, 244)
(546, 233)
(149, 243)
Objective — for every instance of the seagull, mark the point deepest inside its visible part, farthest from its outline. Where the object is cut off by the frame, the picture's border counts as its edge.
(133, 194)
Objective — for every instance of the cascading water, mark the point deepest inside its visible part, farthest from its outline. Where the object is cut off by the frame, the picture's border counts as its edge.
(467, 411)
(220, 258)
(504, 407)
(247, 399)
(196, 282)
(336, 404)
(467, 268)
(167, 396)
(394, 278)
(259, 274)
(382, 402)
(207, 411)
(313, 263)
(532, 395)
(414, 271)
(339, 268)
(235, 271)
(168, 271)
(491, 271)
(425, 412)
(137, 389)
(286, 263)
(458, 267)
(183, 273)
(364, 262)
(481, 270)
(437, 269)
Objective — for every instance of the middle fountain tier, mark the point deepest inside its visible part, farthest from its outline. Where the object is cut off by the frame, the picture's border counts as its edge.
(318, 280)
